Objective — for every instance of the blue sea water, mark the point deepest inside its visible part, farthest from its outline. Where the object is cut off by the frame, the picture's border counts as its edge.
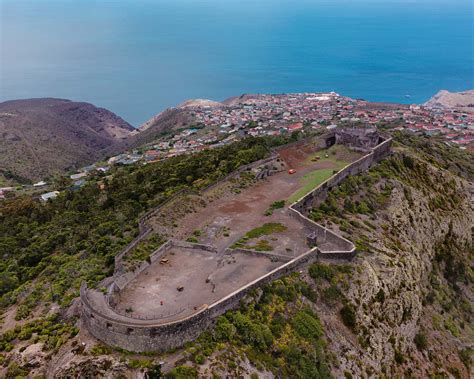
(137, 57)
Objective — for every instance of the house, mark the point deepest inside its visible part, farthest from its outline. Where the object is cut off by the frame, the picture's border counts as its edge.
(103, 169)
(78, 176)
(295, 126)
(49, 195)
(78, 184)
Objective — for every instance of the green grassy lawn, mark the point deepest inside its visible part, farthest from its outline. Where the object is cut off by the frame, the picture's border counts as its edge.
(261, 245)
(339, 155)
(311, 181)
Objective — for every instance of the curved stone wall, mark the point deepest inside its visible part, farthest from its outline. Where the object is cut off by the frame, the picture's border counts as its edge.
(153, 335)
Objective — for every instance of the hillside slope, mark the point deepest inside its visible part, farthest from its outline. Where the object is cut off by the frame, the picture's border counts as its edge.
(412, 285)
(401, 308)
(459, 100)
(42, 136)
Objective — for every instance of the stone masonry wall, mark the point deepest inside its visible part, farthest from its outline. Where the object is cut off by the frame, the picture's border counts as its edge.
(153, 336)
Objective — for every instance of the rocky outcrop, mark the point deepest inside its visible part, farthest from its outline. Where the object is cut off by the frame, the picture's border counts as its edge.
(391, 284)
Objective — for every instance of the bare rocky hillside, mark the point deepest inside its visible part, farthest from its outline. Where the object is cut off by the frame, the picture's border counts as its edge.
(42, 136)
(459, 100)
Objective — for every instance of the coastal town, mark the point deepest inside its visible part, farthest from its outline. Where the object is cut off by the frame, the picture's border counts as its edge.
(219, 124)
(275, 115)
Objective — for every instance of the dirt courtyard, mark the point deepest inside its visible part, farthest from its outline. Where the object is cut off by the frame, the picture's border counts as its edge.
(221, 221)
(205, 277)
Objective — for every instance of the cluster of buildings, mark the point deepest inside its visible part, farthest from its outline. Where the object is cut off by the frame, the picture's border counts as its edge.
(273, 115)
(454, 126)
(261, 115)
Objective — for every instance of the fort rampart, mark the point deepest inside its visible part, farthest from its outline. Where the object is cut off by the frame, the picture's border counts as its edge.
(105, 323)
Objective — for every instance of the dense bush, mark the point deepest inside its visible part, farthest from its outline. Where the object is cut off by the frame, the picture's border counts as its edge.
(182, 372)
(307, 325)
(273, 332)
(420, 340)
(349, 316)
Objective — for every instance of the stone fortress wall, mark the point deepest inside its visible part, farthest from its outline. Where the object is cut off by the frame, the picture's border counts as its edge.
(346, 249)
(138, 335)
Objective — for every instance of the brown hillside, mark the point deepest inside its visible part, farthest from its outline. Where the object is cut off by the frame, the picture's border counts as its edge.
(42, 136)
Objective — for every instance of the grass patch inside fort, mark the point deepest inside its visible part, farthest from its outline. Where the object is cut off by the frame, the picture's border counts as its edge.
(262, 244)
(311, 181)
(276, 205)
(329, 162)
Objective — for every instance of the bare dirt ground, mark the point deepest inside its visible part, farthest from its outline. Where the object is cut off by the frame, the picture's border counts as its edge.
(204, 276)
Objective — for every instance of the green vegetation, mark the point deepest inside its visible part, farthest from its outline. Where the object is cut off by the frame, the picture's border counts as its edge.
(142, 251)
(100, 349)
(276, 205)
(330, 273)
(182, 372)
(310, 181)
(261, 245)
(276, 333)
(266, 229)
(332, 280)
(349, 316)
(434, 151)
(420, 340)
(51, 331)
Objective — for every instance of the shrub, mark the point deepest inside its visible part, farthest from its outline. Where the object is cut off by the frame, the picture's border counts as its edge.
(182, 372)
(465, 356)
(332, 294)
(139, 363)
(100, 349)
(199, 359)
(15, 371)
(399, 358)
(307, 325)
(154, 372)
(421, 340)
(224, 330)
(321, 271)
(348, 315)
(380, 297)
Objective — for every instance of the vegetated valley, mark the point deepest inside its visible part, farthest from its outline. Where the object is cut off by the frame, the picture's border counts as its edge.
(402, 307)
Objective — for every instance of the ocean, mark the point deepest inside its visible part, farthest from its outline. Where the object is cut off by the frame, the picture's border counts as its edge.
(137, 57)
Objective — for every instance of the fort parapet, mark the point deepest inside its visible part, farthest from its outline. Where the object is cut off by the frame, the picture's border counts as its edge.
(99, 314)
